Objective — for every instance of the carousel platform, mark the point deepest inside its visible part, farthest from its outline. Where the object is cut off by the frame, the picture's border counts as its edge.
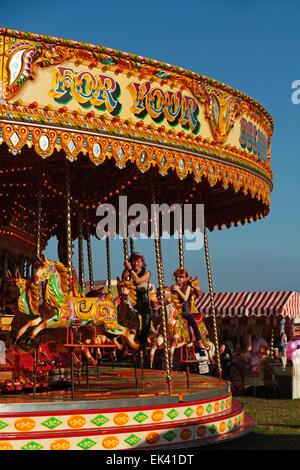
(122, 408)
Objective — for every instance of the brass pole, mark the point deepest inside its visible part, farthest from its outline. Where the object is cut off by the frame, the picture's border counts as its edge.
(160, 274)
(180, 235)
(125, 249)
(39, 211)
(108, 265)
(180, 249)
(212, 301)
(126, 254)
(68, 222)
(125, 244)
(131, 243)
(80, 251)
(161, 262)
(89, 253)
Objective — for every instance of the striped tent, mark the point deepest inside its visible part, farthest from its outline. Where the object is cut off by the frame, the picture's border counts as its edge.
(231, 304)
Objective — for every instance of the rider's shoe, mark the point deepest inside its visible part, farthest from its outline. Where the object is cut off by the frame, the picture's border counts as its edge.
(202, 351)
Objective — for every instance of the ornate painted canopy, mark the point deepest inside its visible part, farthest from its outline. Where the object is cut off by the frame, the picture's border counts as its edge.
(116, 119)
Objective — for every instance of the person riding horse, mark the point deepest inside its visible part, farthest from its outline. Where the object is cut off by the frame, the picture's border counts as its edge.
(135, 269)
(183, 289)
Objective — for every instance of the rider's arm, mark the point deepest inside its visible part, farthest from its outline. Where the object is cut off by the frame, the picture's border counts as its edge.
(140, 280)
(184, 296)
(125, 274)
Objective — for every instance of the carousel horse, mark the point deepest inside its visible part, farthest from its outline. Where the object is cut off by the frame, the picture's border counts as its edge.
(127, 313)
(176, 326)
(22, 297)
(69, 310)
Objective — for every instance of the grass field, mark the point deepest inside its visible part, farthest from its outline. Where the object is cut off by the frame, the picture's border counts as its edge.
(277, 425)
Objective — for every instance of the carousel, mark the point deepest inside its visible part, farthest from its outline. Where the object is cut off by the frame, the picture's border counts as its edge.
(81, 127)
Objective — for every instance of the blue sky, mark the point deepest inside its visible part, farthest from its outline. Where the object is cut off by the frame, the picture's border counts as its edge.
(252, 47)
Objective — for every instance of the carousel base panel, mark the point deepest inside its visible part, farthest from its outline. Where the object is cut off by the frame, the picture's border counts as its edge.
(123, 410)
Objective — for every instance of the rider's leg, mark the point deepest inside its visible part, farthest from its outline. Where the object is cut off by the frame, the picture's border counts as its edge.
(146, 323)
(193, 324)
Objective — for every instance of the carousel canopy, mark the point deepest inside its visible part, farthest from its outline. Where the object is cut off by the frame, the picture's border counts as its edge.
(117, 120)
(231, 304)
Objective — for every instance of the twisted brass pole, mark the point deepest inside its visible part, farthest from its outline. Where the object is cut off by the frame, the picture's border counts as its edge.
(125, 249)
(212, 302)
(180, 249)
(89, 253)
(39, 211)
(68, 222)
(160, 275)
(161, 267)
(131, 243)
(108, 265)
(180, 235)
(80, 251)
(126, 254)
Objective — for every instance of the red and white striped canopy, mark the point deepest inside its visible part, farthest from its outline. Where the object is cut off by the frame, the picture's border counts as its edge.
(246, 304)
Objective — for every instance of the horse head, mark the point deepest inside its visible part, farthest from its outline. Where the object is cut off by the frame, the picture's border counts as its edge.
(43, 269)
(21, 293)
(10, 291)
(195, 285)
(126, 290)
(153, 297)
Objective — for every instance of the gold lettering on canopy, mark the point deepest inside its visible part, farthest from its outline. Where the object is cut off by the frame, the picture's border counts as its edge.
(253, 139)
(100, 91)
(159, 105)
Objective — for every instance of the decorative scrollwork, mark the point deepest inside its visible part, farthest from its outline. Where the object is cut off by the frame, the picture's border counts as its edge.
(222, 109)
(143, 157)
(97, 149)
(182, 165)
(72, 144)
(164, 160)
(121, 152)
(44, 141)
(24, 58)
(15, 137)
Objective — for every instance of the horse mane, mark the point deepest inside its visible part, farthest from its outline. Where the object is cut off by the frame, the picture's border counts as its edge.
(131, 289)
(34, 294)
(195, 289)
(64, 276)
